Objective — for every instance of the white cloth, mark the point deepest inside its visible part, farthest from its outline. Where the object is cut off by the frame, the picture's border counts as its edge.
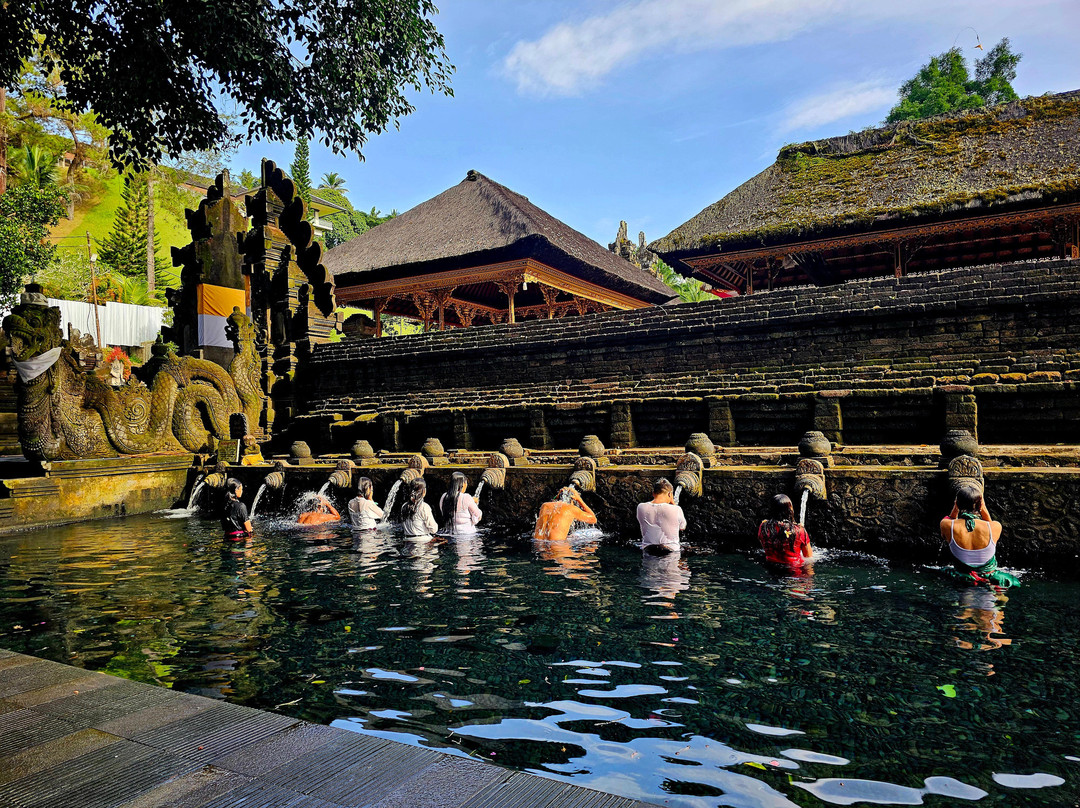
(32, 368)
(465, 517)
(660, 523)
(422, 523)
(364, 514)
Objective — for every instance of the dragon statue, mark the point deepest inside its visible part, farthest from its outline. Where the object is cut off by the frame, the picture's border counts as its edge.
(170, 404)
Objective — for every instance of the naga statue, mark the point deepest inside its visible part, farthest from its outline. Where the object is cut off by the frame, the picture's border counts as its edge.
(172, 404)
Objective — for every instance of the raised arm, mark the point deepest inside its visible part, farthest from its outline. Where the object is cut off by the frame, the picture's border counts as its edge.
(586, 514)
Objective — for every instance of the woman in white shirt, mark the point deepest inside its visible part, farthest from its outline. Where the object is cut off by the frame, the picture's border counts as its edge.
(363, 512)
(457, 509)
(416, 517)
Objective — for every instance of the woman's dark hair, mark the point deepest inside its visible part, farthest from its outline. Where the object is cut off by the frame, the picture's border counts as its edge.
(232, 485)
(458, 481)
(782, 512)
(968, 499)
(364, 487)
(417, 491)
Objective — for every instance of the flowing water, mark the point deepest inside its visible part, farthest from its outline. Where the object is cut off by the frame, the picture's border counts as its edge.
(802, 506)
(325, 488)
(391, 498)
(479, 488)
(255, 502)
(196, 492)
(685, 681)
(678, 494)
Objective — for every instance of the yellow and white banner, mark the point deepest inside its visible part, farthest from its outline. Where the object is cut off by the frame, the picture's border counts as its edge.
(215, 304)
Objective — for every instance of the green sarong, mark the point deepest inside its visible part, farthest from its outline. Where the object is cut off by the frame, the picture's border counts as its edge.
(988, 574)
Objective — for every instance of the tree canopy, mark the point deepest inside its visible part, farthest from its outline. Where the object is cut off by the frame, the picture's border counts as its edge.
(157, 73)
(944, 84)
(26, 214)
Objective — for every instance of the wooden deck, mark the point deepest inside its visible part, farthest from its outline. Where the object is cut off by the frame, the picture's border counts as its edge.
(70, 738)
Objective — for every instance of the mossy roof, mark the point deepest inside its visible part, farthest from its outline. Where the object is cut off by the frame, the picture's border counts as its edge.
(1023, 153)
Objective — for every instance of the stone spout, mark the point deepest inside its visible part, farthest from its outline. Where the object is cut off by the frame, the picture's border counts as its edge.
(584, 475)
(965, 470)
(810, 477)
(219, 476)
(410, 474)
(688, 471)
(275, 480)
(494, 475)
(342, 476)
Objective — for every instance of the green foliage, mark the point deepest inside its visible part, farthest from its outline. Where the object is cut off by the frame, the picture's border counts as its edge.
(352, 222)
(300, 171)
(67, 277)
(123, 251)
(944, 84)
(690, 290)
(248, 179)
(155, 73)
(34, 166)
(334, 181)
(26, 214)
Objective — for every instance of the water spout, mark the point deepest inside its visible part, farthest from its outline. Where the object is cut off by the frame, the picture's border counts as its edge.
(688, 473)
(258, 496)
(584, 476)
(802, 506)
(196, 491)
(391, 498)
(495, 474)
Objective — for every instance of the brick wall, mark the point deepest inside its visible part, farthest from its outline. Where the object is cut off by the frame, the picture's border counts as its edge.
(877, 361)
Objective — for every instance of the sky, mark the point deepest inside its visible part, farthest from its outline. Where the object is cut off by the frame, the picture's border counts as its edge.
(651, 110)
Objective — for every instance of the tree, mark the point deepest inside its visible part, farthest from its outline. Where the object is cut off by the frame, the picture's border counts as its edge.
(690, 290)
(26, 214)
(124, 250)
(156, 73)
(944, 84)
(333, 181)
(300, 171)
(34, 166)
(248, 179)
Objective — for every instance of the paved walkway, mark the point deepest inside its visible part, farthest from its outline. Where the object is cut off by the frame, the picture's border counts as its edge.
(74, 739)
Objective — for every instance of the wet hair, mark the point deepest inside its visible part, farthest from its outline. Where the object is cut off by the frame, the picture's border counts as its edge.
(417, 491)
(232, 485)
(968, 499)
(364, 487)
(458, 481)
(780, 511)
(662, 486)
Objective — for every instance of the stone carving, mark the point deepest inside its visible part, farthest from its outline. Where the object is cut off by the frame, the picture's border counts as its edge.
(639, 255)
(175, 404)
(965, 470)
(810, 476)
(688, 472)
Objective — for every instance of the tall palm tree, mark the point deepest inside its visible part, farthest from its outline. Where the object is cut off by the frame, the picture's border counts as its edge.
(332, 180)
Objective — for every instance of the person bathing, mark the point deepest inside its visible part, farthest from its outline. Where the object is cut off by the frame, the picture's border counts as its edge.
(364, 514)
(320, 514)
(234, 517)
(661, 520)
(973, 538)
(557, 517)
(784, 541)
(459, 511)
(416, 517)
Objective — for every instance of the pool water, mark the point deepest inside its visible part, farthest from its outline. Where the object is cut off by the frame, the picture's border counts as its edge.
(701, 681)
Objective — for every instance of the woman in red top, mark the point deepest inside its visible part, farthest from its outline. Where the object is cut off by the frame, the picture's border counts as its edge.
(784, 541)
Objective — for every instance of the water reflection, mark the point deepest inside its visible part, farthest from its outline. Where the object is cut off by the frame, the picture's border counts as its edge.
(551, 659)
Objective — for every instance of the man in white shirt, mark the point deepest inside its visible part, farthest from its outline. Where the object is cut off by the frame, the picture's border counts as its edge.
(661, 520)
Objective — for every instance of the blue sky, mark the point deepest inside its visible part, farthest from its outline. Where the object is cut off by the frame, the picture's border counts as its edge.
(651, 110)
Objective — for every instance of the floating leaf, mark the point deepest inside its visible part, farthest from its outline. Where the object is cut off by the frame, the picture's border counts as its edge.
(948, 690)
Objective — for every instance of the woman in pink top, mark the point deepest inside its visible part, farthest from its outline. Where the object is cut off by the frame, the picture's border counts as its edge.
(661, 520)
(458, 509)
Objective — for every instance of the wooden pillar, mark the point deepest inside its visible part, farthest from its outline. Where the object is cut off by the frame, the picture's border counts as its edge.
(377, 308)
(509, 288)
(749, 277)
(898, 261)
(442, 298)
(549, 294)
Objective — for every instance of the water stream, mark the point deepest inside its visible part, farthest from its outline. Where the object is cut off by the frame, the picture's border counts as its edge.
(479, 488)
(678, 494)
(391, 498)
(258, 496)
(196, 492)
(802, 506)
(325, 488)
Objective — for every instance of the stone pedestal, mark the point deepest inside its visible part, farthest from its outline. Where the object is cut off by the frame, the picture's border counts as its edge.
(961, 411)
(622, 426)
(828, 419)
(721, 422)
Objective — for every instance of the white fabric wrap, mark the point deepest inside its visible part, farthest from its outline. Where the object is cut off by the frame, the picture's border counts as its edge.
(32, 368)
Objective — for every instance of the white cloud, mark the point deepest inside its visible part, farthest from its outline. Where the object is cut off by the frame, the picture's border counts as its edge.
(574, 56)
(837, 104)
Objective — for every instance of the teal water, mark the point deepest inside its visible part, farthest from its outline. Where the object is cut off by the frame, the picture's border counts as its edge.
(699, 681)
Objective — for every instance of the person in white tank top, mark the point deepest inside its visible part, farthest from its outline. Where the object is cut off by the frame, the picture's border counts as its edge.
(973, 540)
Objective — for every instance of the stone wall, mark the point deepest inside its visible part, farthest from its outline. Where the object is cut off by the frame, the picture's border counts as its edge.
(995, 350)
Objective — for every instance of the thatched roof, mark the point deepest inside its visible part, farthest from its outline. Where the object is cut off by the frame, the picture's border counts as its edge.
(479, 222)
(1023, 153)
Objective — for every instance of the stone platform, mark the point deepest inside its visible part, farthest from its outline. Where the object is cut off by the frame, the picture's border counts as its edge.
(76, 739)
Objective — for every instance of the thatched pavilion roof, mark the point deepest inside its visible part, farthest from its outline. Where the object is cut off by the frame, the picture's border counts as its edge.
(480, 222)
(1011, 157)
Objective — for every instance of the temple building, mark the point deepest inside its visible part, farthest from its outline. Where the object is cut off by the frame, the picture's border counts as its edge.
(478, 253)
(980, 187)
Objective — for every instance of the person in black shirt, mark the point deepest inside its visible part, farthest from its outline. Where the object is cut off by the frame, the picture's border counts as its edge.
(234, 517)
